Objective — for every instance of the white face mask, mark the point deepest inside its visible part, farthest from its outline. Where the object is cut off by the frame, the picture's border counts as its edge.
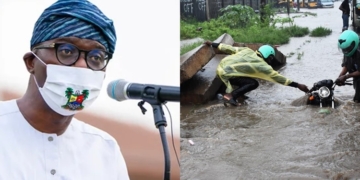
(67, 90)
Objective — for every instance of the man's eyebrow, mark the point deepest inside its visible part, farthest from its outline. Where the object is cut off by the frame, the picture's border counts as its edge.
(100, 46)
(73, 41)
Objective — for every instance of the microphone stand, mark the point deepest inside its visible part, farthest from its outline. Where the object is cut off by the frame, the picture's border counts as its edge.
(160, 123)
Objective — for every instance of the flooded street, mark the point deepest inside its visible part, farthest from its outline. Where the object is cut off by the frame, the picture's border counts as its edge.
(268, 138)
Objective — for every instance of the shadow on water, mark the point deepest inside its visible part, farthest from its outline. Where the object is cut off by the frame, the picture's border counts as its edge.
(268, 138)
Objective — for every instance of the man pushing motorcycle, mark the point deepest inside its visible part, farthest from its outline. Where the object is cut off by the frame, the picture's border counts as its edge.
(243, 65)
(348, 42)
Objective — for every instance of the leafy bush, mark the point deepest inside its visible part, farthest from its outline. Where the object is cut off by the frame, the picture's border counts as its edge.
(320, 32)
(238, 16)
(245, 26)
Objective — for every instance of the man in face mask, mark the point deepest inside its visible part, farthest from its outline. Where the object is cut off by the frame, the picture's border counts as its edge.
(72, 43)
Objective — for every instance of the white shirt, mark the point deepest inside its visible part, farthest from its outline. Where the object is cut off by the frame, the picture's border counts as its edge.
(83, 152)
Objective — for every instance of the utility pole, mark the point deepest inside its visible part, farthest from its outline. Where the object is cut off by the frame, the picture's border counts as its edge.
(262, 10)
(298, 5)
(207, 10)
(288, 7)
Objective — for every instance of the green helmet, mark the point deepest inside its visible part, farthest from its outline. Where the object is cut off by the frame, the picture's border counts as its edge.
(348, 42)
(266, 51)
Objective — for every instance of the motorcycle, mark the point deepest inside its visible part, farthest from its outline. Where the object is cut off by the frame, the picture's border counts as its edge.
(322, 93)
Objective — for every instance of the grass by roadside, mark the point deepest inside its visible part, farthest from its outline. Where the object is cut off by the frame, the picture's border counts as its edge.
(320, 32)
(188, 47)
(245, 26)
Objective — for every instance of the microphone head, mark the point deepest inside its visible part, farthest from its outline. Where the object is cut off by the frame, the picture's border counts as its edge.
(117, 89)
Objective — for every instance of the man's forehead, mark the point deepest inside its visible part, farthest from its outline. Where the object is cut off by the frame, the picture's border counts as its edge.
(79, 42)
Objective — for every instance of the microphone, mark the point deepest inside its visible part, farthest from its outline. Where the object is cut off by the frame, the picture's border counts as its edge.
(121, 90)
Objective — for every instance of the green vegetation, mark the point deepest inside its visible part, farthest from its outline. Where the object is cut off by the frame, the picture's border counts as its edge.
(186, 48)
(284, 10)
(290, 54)
(299, 55)
(242, 22)
(296, 31)
(310, 13)
(246, 26)
(320, 32)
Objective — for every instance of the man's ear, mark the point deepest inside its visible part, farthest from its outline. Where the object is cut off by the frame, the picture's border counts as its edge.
(29, 62)
(272, 57)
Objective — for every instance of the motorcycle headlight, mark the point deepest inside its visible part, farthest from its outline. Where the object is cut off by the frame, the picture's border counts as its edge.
(324, 92)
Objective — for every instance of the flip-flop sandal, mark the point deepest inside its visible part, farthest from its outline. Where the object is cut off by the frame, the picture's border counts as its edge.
(233, 102)
(221, 98)
(230, 101)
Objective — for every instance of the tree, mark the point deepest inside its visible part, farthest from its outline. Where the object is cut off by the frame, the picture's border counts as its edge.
(69, 92)
(85, 93)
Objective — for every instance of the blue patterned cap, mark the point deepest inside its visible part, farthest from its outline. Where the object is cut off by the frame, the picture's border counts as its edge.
(74, 18)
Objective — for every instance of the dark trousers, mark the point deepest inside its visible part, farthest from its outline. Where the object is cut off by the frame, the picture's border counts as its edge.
(345, 18)
(356, 83)
(245, 84)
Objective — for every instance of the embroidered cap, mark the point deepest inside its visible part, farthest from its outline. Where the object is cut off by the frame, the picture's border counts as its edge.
(74, 18)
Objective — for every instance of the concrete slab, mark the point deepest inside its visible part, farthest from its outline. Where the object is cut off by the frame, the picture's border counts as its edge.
(199, 82)
(190, 41)
(203, 85)
(193, 61)
(225, 39)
